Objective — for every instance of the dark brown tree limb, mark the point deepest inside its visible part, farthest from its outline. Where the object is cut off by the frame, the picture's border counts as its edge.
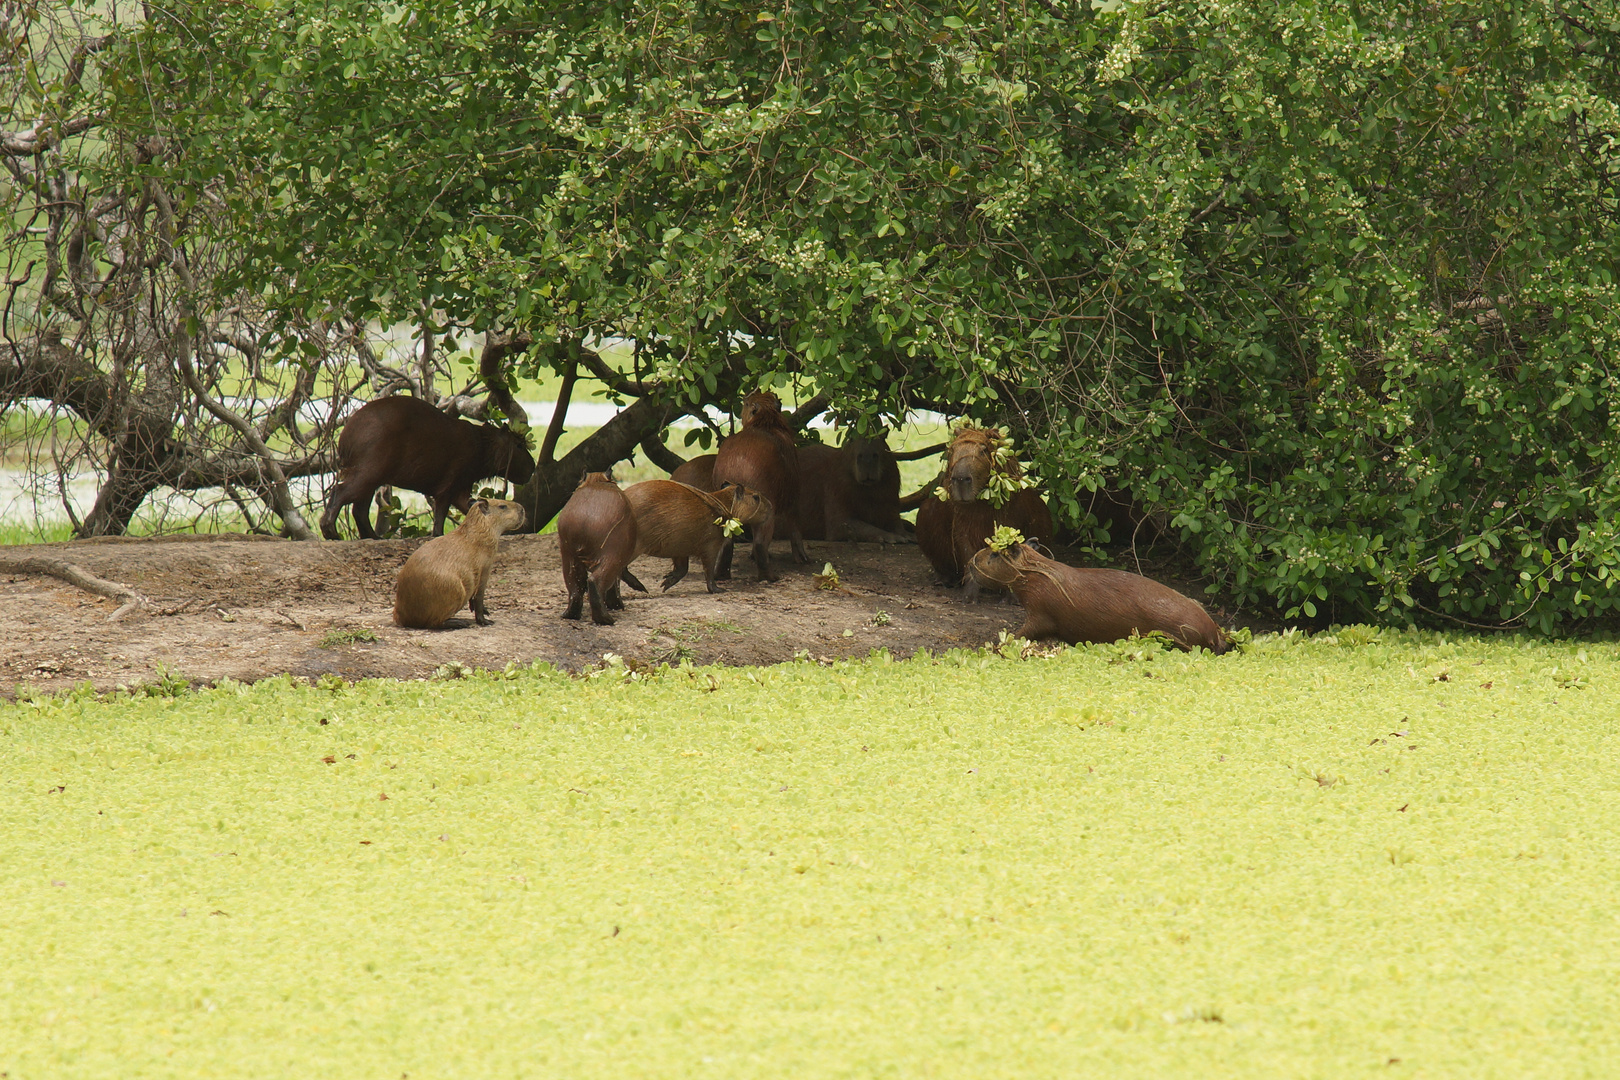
(553, 484)
(659, 454)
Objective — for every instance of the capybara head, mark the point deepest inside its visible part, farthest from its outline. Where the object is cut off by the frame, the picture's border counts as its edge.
(870, 455)
(510, 455)
(759, 406)
(503, 515)
(969, 461)
(747, 505)
(997, 569)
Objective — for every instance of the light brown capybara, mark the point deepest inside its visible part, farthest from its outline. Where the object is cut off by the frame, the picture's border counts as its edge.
(1095, 604)
(699, 472)
(596, 539)
(404, 442)
(950, 532)
(851, 492)
(762, 458)
(678, 521)
(450, 572)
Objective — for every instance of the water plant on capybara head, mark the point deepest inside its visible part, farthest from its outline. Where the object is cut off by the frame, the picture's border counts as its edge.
(762, 458)
(980, 470)
(1095, 604)
(450, 572)
(596, 540)
(407, 443)
(851, 492)
(678, 521)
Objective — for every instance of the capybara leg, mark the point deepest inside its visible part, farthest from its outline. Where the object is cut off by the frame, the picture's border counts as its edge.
(723, 568)
(599, 614)
(970, 595)
(361, 509)
(480, 612)
(796, 542)
(677, 571)
(1036, 627)
(711, 560)
(630, 579)
(611, 597)
(441, 509)
(329, 518)
(575, 584)
(764, 532)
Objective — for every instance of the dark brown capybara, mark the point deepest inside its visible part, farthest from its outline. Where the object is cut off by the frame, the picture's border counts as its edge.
(762, 458)
(1096, 604)
(851, 492)
(450, 572)
(699, 472)
(406, 443)
(678, 521)
(951, 531)
(596, 538)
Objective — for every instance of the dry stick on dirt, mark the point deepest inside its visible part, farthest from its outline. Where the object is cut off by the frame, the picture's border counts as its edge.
(79, 577)
(280, 496)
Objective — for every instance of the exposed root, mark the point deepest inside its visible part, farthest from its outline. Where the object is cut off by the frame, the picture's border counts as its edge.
(78, 577)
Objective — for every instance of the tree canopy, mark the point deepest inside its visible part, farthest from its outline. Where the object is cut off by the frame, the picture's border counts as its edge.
(1330, 285)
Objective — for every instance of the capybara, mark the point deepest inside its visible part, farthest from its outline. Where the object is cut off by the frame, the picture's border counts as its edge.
(596, 538)
(850, 492)
(677, 521)
(450, 572)
(952, 531)
(1095, 604)
(407, 443)
(762, 458)
(699, 472)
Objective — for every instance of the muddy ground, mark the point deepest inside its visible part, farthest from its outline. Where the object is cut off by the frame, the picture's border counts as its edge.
(246, 608)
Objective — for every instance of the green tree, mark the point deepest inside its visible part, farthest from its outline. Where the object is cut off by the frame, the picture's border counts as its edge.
(1331, 285)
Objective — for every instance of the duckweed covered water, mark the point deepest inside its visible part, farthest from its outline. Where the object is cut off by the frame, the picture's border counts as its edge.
(1361, 853)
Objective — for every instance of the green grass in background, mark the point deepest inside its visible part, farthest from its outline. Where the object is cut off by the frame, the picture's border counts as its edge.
(1363, 852)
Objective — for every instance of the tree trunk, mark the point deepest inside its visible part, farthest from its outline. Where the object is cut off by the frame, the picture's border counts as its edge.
(546, 494)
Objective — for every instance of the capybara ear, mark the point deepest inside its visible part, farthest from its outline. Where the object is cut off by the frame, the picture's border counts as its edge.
(482, 505)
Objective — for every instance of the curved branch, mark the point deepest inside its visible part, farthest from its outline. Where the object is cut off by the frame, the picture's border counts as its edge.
(79, 577)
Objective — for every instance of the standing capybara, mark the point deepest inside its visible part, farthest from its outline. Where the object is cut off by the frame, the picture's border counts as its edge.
(850, 492)
(951, 531)
(677, 521)
(762, 458)
(596, 537)
(450, 572)
(405, 442)
(699, 472)
(1094, 604)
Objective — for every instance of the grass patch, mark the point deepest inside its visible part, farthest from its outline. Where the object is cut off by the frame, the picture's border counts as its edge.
(336, 639)
(1311, 859)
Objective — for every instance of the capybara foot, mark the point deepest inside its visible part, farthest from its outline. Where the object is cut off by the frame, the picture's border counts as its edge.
(630, 579)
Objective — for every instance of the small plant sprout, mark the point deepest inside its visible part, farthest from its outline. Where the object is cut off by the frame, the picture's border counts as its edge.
(1003, 538)
(828, 578)
(880, 617)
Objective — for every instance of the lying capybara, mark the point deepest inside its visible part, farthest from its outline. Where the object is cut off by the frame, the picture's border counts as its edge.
(596, 538)
(850, 492)
(699, 472)
(678, 521)
(950, 532)
(407, 443)
(762, 458)
(1094, 604)
(450, 572)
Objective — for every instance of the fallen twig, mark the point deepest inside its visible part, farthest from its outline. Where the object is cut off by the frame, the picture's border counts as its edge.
(79, 577)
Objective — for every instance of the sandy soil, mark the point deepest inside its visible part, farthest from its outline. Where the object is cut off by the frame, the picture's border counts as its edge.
(245, 608)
